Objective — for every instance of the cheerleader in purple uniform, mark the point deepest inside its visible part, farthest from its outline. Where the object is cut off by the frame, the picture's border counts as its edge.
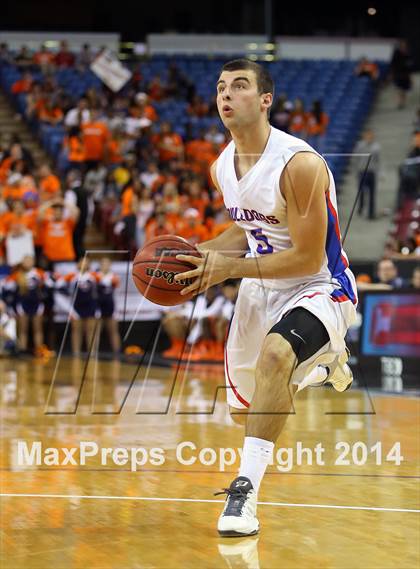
(82, 286)
(26, 285)
(107, 282)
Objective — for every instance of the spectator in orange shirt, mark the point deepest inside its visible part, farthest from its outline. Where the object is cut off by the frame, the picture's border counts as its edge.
(116, 147)
(45, 59)
(35, 101)
(28, 181)
(316, 126)
(9, 163)
(192, 229)
(49, 184)
(50, 113)
(95, 138)
(297, 121)
(23, 85)
(147, 110)
(197, 197)
(14, 189)
(127, 200)
(171, 202)
(201, 153)
(57, 231)
(197, 149)
(134, 189)
(18, 216)
(366, 68)
(159, 225)
(75, 149)
(168, 143)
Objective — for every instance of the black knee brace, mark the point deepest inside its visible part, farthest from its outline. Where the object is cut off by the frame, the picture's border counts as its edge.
(304, 332)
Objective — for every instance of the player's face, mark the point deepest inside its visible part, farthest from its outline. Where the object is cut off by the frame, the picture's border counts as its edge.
(238, 101)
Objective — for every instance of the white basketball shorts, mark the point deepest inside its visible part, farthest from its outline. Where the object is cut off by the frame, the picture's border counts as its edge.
(257, 310)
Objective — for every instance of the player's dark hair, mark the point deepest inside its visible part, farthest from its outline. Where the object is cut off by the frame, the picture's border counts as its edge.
(265, 82)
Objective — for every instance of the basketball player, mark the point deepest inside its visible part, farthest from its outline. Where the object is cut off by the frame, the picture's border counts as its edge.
(297, 297)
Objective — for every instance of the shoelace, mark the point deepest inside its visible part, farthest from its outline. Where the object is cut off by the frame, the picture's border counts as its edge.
(238, 495)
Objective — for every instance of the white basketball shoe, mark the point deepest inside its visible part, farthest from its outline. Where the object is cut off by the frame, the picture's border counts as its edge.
(239, 514)
(339, 374)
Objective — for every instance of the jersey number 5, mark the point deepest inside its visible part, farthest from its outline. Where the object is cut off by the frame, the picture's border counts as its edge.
(264, 246)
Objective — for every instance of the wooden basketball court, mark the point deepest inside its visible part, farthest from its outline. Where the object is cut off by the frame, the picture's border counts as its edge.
(361, 514)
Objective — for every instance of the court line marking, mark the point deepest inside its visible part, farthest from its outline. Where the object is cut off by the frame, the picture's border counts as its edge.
(180, 471)
(203, 501)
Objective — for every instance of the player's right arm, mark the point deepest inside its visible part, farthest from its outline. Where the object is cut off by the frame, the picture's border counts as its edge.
(233, 241)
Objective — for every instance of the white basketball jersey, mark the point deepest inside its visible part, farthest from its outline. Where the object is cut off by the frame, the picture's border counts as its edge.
(257, 205)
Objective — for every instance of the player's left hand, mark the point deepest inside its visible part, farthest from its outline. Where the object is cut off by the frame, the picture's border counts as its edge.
(211, 269)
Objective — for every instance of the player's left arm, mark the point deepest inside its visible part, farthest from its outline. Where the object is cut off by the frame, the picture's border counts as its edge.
(304, 183)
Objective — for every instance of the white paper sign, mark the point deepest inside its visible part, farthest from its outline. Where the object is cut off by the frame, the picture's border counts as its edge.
(18, 247)
(110, 70)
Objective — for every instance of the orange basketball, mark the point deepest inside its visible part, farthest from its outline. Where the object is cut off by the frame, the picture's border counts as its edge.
(155, 267)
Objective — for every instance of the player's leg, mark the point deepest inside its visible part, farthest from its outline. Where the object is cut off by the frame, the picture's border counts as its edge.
(272, 399)
(245, 338)
(239, 416)
(329, 365)
(297, 337)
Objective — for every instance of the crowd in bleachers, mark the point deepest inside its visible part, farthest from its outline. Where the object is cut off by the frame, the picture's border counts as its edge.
(134, 180)
(136, 163)
(404, 238)
(403, 241)
(386, 277)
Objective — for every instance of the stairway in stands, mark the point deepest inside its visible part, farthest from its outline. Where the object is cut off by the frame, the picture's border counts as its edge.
(393, 129)
(12, 123)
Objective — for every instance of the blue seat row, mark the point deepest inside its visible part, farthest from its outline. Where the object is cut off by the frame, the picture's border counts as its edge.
(346, 98)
